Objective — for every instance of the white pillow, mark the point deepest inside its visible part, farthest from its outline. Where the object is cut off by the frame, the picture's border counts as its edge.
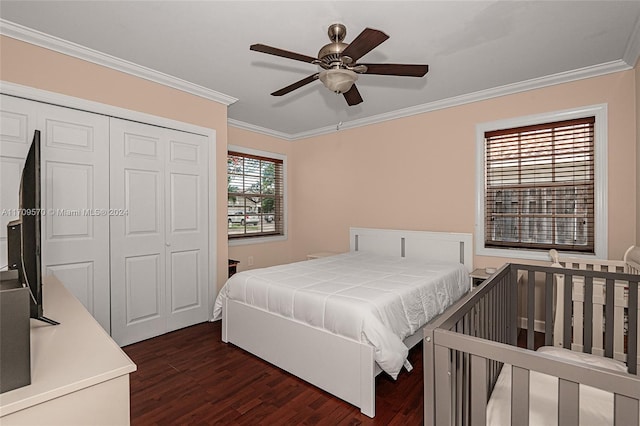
(590, 359)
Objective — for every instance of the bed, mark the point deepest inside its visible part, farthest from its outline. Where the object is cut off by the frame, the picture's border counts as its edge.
(363, 324)
(475, 373)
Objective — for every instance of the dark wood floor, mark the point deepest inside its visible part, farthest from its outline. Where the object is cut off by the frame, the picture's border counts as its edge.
(190, 377)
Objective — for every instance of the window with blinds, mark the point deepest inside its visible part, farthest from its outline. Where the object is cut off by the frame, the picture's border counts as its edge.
(255, 200)
(539, 186)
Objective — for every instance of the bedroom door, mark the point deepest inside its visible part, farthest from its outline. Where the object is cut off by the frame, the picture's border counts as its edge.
(159, 246)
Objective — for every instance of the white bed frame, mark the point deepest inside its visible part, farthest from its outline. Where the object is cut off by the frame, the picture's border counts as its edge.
(341, 366)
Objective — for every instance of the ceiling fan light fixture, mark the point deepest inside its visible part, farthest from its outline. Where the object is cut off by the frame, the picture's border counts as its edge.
(338, 80)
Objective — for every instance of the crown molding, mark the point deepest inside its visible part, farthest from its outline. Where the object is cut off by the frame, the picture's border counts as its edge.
(28, 35)
(509, 89)
(632, 52)
(257, 129)
(53, 98)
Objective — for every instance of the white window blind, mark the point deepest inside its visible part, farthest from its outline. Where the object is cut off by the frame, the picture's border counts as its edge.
(255, 195)
(539, 186)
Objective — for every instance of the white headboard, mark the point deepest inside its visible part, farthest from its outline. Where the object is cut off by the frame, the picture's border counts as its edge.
(436, 246)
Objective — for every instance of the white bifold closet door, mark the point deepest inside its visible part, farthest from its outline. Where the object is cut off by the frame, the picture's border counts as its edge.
(159, 245)
(75, 194)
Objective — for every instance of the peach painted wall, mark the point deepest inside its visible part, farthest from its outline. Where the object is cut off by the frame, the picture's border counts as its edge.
(418, 172)
(273, 253)
(33, 66)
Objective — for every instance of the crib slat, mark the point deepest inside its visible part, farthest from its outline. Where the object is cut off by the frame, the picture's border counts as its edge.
(443, 385)
(485, 317)
(503, 318)
(478, 391)
(608, 318)
(568, 311)
(531, 297)
(457, 373)
(598, 316)
(467, 375)
(632, 332)
(568, 403)
(519, 396)
(499, 307)
(548, 309)
(588, 314)
(513, 307)
(625, 411)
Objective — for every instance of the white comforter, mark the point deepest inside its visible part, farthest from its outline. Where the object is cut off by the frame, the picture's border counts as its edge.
(368, 298)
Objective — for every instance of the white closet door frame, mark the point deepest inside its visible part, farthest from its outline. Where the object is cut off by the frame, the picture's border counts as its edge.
(27, 92)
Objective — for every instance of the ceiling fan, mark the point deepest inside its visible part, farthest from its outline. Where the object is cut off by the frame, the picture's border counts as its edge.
(338, 61)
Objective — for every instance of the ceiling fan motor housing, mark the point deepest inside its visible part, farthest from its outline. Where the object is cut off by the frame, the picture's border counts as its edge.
(330, 54)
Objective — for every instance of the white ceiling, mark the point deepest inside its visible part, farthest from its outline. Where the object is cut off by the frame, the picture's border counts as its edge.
(475, 49)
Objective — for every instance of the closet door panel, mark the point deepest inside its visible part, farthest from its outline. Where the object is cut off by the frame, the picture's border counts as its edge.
(17, 123)
(187, 228)
(142, 201)
(69, 199)
(138, 295)
(143, 296)
(75, 193)
(77, 278)
(185, 292)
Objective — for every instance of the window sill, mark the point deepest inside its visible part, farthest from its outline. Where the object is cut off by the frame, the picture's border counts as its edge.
(255, 240)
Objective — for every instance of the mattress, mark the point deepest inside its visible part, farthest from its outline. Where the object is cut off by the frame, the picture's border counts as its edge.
(596, 405)
(369, 298)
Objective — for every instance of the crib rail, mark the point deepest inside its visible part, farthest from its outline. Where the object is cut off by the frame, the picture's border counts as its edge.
(466, 347)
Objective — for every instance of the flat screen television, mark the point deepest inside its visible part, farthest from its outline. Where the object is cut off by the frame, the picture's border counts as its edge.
(23, 234)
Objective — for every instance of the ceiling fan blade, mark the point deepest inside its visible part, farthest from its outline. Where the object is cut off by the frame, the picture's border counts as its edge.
(366, 41)
(405, 70)
(352, 96)
(279, 52)
(296, 85)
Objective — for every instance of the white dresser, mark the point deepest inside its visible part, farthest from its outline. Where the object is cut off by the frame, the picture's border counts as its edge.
(79, 375)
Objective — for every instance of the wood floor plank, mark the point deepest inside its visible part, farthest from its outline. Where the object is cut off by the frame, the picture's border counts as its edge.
(190, 377)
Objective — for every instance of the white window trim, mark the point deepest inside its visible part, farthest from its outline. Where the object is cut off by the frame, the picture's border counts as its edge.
(600, 147)
(258, 239)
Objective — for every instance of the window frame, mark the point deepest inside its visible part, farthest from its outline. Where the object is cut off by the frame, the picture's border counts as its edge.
(600, 177)
(256, 239)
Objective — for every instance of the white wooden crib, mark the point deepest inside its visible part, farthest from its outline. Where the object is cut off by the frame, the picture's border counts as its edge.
(571, 335)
